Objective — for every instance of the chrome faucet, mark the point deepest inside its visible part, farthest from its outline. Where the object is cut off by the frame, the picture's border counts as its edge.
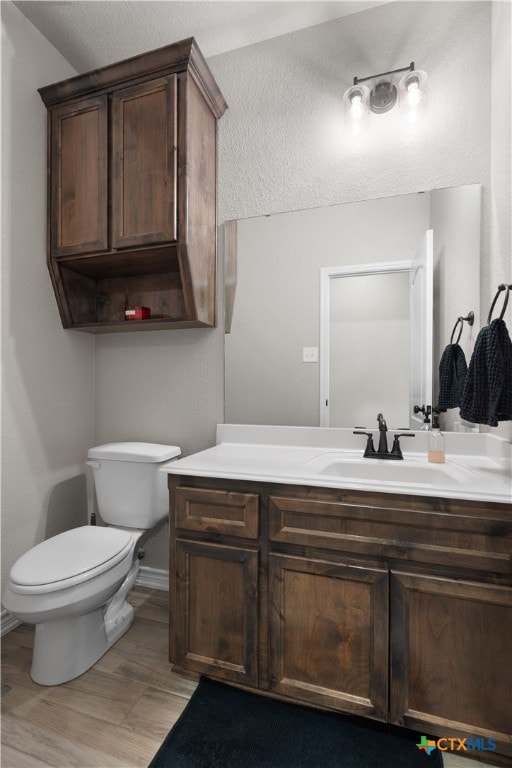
(382, 452)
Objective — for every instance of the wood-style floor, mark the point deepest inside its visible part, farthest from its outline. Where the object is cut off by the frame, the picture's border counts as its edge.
(116, 714)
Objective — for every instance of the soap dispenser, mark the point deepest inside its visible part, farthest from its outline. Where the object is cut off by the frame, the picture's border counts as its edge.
(436, 454)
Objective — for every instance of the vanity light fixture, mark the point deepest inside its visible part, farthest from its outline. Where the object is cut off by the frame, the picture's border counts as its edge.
(409, 92)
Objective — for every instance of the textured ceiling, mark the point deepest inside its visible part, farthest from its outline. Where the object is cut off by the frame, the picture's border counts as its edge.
(93, 33)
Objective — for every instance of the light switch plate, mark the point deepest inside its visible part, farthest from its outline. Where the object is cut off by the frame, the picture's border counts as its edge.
(310, 354)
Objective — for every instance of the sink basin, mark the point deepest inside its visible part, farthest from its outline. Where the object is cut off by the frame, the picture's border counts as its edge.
(414, 470)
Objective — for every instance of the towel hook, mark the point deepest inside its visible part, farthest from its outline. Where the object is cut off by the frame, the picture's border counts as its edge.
(470, 319)
(501, 287)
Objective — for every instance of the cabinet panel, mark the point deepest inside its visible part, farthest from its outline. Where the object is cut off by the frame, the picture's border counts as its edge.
(224, 512)
(196, 207)
(450, 660)
(79, 178)
(384, 527)
(217, 610)
(144, 125)
(329, 634)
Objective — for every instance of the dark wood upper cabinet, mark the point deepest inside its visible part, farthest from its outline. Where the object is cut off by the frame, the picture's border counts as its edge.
(132, 170)
(79, 178)
(144, 130)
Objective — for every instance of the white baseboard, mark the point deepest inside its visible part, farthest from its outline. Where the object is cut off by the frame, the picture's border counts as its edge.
(8, 621)
(153, 577)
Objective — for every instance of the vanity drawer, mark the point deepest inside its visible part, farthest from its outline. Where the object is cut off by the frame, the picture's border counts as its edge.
(224, 512)
(325, 524)
(394, 531)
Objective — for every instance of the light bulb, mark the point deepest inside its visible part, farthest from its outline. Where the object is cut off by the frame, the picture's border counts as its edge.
(357, 111)
(356, 105)
(413, 92)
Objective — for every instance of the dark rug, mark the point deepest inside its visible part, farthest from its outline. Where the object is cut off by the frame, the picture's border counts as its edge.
(224, 727)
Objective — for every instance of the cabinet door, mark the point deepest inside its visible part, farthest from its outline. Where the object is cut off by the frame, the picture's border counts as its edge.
(329, 634)
(144, 135)
(217, 610)
(451, 650)
(79, 177)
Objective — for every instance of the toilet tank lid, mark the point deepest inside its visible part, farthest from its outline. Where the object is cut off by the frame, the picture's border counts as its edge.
(142, 452)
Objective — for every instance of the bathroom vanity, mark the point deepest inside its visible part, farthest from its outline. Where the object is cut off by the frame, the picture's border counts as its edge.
(301, 571)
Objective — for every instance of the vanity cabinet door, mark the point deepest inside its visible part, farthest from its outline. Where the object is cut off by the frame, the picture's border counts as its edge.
(451, 657)
(79, 177)
(329, 634)
(144, 183)
(217, 610)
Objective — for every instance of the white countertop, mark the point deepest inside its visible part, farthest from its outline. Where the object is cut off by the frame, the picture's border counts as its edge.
(478, 466)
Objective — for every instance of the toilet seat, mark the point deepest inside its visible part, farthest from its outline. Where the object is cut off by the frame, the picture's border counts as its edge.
(69, 558)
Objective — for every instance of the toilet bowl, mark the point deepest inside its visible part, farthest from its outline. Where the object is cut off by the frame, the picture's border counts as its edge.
(73, 586)
(63, 586)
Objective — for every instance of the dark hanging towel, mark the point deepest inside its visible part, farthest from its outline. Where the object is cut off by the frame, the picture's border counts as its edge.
(453, 371)
(487, 395)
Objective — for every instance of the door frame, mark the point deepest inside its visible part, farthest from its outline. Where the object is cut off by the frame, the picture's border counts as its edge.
(326, 275)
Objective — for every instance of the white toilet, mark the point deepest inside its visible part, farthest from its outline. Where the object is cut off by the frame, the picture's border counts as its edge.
(73, 587)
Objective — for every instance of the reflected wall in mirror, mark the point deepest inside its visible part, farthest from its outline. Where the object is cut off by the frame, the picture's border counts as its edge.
(368, 311)
(385, 309)
(275, 306)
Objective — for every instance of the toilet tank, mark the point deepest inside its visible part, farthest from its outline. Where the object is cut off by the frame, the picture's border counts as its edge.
(130, 490)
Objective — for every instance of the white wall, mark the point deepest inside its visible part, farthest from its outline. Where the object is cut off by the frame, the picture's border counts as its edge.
(47, 387)
(164, 387)
(369, 358)
(499, 268)
(281, 148)
(305, 161)
(454, 217)
(282, 143)
(501, 147)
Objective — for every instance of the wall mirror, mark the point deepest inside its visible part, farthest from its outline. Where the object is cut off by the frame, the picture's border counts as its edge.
(274, 268)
